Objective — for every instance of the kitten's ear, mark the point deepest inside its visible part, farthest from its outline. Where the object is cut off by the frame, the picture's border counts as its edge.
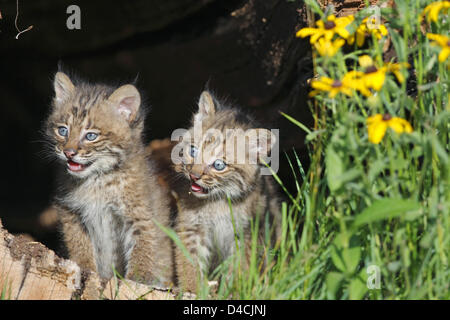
(262, 142)
(206, 106)
(63, 86)
(127, 101)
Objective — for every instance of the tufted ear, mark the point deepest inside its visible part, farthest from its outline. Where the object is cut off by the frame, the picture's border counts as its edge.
(127, 101)
(206, 106)
(63, 87)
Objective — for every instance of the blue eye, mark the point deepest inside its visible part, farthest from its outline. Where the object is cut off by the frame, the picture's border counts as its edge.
(219, 165)
(193, 151)
(91, 136)
(62, 131)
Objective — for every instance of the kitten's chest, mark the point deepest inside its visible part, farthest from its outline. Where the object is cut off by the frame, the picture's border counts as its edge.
(221, 225)
(103, 213)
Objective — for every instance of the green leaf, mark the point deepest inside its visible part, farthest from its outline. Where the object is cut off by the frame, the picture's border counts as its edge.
(314, 135)
(385, 209)
(312, 4)
(376, 167)
(333, 280)
(173, 235)
(335, 168)
(358, 286)
(345, 258)
(297, 123)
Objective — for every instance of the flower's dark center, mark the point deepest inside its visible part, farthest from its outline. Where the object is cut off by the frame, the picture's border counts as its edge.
(448, 43)
(336, 84)
(371, 69)
(387, 117)
(330, 25)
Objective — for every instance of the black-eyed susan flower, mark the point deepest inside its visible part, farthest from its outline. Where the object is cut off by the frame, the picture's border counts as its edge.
(374, 76)
(378, 124)
(432, 10)
(443, 42)
(355, 80)
(366, 29)
(327, 29)
(347, 85)
(328, 48)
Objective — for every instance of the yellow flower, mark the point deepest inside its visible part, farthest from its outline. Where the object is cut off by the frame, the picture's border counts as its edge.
(333, 87)
(374, 75)
(365, 29)
(345, 85)
(328, 48)
(432, 10)
(378, 124)
(354, 79)
(443, 42)
(327, 29)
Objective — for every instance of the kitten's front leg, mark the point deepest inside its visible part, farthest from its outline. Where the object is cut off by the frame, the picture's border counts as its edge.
(189, 272)
(76, 239)
(150, 260)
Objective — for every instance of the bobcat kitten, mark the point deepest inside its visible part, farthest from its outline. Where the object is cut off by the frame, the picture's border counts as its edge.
(211, 174)
(109, 198)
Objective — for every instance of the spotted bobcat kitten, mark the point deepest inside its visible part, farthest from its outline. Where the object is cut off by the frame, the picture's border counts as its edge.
(109, 198)
(211, 174)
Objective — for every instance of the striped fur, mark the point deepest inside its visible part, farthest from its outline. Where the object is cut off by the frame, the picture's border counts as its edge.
(107, 210)
(204, 222)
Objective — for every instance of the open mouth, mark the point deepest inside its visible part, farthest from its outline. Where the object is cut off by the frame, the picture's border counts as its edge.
(75, 166)
(198, 189)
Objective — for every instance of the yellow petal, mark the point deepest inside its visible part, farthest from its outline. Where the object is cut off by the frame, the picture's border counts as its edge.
(365, 61)
(377, 131)
(323, 84)
(443, 55)
(360, 38)
(399, 125)
(399, 76)
(314, 93)
(375, 118)
(383, 30)
(328, 34)
(350, 40)
(343, 32)
(364, 90)
(440, 39)
(305, 32)
(434, 12)
(375, 80)
(316, 36)
(333, 93)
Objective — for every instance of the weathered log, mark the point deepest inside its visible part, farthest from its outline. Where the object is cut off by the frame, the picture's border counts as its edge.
(30, 271)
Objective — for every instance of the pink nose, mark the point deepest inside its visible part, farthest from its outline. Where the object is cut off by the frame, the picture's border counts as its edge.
(70, 153)
(194, 176)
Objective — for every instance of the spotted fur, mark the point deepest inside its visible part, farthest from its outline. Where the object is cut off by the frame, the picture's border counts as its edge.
(109, 199)
(204, 222)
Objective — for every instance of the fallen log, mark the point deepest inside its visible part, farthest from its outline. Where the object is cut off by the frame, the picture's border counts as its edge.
(31, 271)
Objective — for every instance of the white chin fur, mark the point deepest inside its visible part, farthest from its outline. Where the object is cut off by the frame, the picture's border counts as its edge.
(101, 165)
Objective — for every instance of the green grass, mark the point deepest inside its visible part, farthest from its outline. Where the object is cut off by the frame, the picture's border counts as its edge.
(362, 207)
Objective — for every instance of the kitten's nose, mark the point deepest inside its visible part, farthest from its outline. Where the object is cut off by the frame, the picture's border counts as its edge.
(194, 176)
(70, 153)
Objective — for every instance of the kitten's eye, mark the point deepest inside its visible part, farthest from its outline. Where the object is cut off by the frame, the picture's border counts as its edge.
(91, 136)
(62, 131)
(219, 165)
(193, 151)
